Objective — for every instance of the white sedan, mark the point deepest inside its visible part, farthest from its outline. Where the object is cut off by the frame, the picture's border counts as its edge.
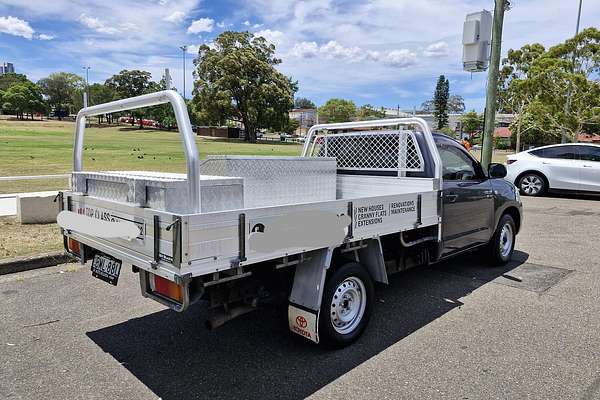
(573, 167)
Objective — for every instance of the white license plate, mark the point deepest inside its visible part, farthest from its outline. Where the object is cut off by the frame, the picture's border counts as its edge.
(106, 268)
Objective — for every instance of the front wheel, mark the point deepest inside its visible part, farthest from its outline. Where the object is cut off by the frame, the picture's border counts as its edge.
(502, 244)
(346, 306)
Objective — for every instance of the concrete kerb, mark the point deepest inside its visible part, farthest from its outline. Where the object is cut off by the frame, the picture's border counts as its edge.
(20, 264)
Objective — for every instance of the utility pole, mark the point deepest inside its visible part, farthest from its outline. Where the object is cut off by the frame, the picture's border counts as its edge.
(184, 49)
(86, 94)
(492, 85)
(563, 138)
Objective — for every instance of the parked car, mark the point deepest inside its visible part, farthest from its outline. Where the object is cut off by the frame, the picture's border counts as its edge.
(573, 167)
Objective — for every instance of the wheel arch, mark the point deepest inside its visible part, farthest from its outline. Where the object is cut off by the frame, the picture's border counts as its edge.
(515, 214)
(532, 171)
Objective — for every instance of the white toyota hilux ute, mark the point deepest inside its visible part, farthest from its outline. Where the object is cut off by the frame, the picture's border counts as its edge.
(364, 200)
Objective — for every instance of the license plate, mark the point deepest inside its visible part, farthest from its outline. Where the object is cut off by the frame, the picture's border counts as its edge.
(106, 268)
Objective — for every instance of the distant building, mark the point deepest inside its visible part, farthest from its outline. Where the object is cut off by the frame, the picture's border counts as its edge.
(306, 118)
(588, 138)
(7, 68)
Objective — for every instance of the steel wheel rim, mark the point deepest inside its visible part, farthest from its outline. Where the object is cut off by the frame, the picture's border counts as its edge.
(531, 184)
(348, 305)
(506, 240)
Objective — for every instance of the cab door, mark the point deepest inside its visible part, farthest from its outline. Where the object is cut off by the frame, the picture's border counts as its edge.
(561, 165)
(589, 171)
(468, 203)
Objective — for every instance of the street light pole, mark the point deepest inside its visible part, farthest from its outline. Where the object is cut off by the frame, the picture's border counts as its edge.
(183, 49)
(563, 138)
(86, 98)
(492, 85)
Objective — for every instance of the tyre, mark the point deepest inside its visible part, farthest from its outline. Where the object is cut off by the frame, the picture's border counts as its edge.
(502, 244)
(346, 306)
(532, 184)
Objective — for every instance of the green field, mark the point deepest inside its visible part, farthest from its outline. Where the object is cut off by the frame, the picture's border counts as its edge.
(46, 147)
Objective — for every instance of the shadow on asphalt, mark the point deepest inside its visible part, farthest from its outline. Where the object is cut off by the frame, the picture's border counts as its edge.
(574, 196)
(255, 356)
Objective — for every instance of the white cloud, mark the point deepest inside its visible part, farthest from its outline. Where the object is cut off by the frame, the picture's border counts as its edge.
(97, 25)
(246, 23)
(275, 37)
(400, 58)
(176, 17)
(256, 26)
(201, 25)
(331, 50)
(193, 49)
(305, 50)
(16, 27)
(438, 49)
(43, 36)
(221, 24)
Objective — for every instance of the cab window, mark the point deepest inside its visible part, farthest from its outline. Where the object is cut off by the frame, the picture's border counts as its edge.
(456, 164)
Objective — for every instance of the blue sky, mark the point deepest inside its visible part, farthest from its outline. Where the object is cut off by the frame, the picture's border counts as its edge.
(381, 52)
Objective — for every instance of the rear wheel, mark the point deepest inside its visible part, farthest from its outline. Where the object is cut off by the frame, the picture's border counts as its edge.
(346, 306)
(502, 244)
(532, 184)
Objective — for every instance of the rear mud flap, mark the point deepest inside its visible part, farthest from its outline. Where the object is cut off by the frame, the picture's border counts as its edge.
(304, 322)
(307, 292)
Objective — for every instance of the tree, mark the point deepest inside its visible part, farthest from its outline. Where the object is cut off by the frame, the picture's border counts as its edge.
(130, 84)
(541, 85)
(513, 94)
(303, 102)
(471, 122)
(367, 112)
(60, 89)
(440, 101)
(23, 98)
(236, 79)
(427, 106)
(291, 126)
(7, 80)
(99, 94)
(456, 104)
(337, 110)
(163, 113)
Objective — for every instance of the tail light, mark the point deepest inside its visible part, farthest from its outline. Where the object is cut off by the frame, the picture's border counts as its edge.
(166, 288)
(74, 246)
(509, 161)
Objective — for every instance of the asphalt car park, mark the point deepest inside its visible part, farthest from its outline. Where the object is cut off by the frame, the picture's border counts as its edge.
(459, 330)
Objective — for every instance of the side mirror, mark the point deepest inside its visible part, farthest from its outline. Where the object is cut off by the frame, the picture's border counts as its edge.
(496, 170)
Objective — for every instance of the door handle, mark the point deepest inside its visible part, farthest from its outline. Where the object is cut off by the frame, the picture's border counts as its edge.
(451, 197)
(587, 166)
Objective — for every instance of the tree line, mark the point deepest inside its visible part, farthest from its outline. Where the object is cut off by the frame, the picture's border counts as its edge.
(61, 94)
(550, 91)
(553, 91)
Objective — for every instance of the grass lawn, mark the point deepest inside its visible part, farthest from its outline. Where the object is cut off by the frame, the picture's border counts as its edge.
(498, 156)
(46, 147)
(25, 240)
